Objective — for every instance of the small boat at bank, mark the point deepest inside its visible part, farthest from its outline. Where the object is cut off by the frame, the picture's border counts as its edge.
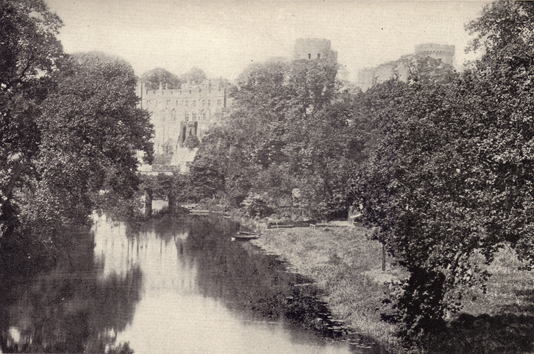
(245, 235)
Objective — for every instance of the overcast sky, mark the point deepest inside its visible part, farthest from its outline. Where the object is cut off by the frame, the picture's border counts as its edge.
(223, 37)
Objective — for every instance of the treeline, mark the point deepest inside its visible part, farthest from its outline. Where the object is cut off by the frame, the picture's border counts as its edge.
(442, 166)
(70, 130)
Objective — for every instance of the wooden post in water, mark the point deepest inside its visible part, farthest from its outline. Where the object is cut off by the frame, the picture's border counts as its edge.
(148, 202)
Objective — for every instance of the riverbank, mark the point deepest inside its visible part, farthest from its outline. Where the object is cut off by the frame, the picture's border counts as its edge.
(347, 265)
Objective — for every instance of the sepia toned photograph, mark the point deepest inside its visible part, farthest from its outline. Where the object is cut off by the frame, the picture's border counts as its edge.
(266, 177)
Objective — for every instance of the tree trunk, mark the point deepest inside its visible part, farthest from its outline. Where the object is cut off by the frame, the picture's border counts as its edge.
(383, 257)
(148, 202)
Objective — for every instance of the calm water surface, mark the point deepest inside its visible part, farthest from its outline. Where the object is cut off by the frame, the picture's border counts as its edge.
(172, 286)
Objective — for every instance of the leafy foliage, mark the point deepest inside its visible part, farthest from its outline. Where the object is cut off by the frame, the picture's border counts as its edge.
(159, 76)
(450, 174)
(70, 130)
(288, 130)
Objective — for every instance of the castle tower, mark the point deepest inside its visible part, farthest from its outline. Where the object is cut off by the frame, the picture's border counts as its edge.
(437, 51)
(314, 49)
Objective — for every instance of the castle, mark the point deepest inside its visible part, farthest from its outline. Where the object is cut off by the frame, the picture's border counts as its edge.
(314, 48)
(400, 68)
(182, 116)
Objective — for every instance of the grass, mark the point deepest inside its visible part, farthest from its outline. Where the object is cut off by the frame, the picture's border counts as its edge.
(347, 265)
(509, 289)
(500, 320)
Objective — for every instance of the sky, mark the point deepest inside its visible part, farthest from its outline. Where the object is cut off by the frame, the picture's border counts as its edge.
(224, 37)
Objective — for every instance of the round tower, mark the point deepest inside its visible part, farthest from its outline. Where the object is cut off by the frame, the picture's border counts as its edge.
(437, 51)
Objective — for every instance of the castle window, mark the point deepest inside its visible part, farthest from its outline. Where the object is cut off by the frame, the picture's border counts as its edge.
(209, 103)
(186, 116)
(204, 115)
(318, 55)
(194, 116)
(189, 91)
(219, 102)
(309, 55)
(176, 103)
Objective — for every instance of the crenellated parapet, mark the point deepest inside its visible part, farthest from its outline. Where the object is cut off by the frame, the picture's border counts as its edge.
(437, 51)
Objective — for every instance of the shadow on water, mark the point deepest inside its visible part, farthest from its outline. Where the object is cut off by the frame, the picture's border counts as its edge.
(68, 309)
(509, 331)
(248, 280)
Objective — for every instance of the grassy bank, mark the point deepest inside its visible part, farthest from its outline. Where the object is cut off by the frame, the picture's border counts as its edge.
(347, 266)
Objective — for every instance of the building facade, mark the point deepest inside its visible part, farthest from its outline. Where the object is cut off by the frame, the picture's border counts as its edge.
(181, 116)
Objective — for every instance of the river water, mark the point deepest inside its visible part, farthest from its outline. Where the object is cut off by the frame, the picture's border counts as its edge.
(169, 286)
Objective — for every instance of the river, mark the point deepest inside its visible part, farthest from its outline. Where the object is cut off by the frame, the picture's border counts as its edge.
(173, 285)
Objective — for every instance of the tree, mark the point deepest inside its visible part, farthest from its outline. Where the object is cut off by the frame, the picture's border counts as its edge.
(157, 77)
(500, 95)
(195, 75)
(29, 53)
(90, 130)
(453, 175)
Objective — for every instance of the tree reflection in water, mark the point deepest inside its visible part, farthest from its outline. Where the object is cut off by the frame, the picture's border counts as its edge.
(173, 284)
(71, 309)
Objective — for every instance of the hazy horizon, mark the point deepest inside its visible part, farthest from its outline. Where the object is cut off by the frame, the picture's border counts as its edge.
(224, 37)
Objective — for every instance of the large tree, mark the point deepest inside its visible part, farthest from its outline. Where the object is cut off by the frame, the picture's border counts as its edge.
(29, 53)
(91, 130)
(70, 128)
(454, 177)
(288, 130)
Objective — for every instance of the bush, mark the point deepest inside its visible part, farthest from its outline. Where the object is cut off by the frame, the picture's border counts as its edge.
(255, 206)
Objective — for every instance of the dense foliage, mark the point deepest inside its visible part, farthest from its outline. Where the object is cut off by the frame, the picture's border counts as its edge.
(288, 141)
(70, 129)
(451, 174)
(159, 77)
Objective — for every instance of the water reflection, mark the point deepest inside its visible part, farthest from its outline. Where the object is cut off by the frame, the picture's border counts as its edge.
(174, 286)
(70, 309)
